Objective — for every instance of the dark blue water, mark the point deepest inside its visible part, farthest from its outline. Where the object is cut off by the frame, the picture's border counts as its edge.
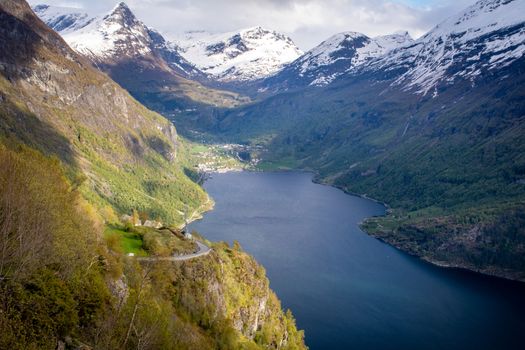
(346, 289)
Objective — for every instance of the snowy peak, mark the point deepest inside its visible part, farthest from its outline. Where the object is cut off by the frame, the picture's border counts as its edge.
(62, 19)
(487, 35)
(394, 41)
(258, 33)
(354, 47)
(335, 57)
(123, 16)
(339, 46)
(118, 34)
(483, 17)
(248, 54)
(115, 36)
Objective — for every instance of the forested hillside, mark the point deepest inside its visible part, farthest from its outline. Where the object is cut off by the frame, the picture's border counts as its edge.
(60, 284)
(77, 152)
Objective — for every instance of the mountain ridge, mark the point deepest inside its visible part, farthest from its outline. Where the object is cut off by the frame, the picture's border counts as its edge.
(38, 90)
(112, 36)
(142, 61)
(333, 58)
(244, 55)
(481, 38)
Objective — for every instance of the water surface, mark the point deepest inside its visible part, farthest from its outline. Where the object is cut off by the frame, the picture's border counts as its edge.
(347, 289)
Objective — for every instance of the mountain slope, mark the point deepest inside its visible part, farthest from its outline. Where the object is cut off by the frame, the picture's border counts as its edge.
(65, 284)
(450, 163)
(90, 123)
(141, 61)
(488, 35)
(333, 58)
(246, 55)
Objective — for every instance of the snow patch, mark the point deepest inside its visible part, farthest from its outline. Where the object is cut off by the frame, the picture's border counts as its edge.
(248, 54)
(494, 28)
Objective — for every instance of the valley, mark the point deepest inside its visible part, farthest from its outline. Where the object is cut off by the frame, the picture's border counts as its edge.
(116, 135)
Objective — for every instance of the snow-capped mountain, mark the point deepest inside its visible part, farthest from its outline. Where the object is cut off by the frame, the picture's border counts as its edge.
(334, 57)
(488, 35)
(113, 37)
(63, 19)
(343, 52)
(245, 55)
(139, 58)
(117, 34)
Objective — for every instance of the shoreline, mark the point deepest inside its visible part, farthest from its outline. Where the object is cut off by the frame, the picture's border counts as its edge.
(496, 273)
(493, 273)
(198, 213)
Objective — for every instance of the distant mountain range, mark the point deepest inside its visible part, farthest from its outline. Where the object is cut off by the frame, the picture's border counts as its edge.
(484, 38)
(333, 58)
(138, 58)
(113, 37)
(246, 55)
(273, 60)
(487, 36)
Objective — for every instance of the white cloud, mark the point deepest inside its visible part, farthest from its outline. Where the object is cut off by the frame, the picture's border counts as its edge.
(307, 22)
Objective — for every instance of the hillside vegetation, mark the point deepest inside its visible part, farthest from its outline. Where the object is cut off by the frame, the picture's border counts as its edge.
(60, 284)
(76, 151)
(125, 156)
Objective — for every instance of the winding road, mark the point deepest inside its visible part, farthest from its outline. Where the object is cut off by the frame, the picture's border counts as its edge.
(202, 251)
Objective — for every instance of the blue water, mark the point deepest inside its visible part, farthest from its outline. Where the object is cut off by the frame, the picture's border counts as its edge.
(346, 289)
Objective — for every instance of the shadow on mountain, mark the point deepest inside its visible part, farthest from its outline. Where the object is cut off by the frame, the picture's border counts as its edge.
(18, 126)
(194, 176)
(161, 147)
(21, 35)
(17, 45)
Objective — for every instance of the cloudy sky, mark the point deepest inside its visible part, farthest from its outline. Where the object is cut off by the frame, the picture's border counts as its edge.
(307, 22)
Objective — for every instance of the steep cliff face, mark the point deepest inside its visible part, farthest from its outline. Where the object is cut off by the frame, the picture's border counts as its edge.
(63, 286)
(229, 290)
